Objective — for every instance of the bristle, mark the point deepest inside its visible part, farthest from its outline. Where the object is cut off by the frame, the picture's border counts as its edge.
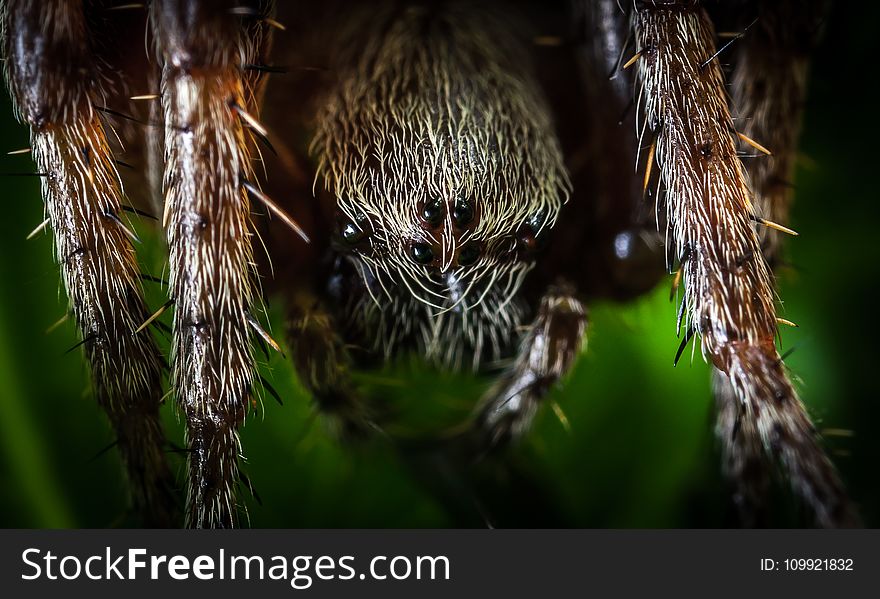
(271, 390)
(676, 281)
(649, 165)
(550, 41)
(775, 226)
(80, 343)
(153, 279)
(118, 114)
(154, 316)
(689, 334)
(560, 415)
(57, 324)
(275, 209)
(131, 234)
(255, 324)
(250, 120)
(139, 212)
(37, 230)
(273, 23)
(753, 143)
(838, 432)
(727, 45)
(632, 60)
(130, 6)
(265, 68)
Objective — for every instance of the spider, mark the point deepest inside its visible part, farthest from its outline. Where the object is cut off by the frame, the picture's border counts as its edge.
(449, 179)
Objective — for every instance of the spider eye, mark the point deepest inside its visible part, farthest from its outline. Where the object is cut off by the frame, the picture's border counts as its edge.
(532, 236)
(537, 221)
(462, 212)
(351, 234)
(469, 254)
(432, 213)
(352, 230)
(422, 253)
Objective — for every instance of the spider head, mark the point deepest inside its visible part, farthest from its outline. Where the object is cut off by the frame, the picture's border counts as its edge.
(444, 166)
(445, 244)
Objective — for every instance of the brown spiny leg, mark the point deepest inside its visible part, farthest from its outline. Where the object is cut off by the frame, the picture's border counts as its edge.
(54, 79)
(323, 364)
(208, 98)
(743, 461)
(728, 290)
(768, 91)
(769, 85)
(547, 353)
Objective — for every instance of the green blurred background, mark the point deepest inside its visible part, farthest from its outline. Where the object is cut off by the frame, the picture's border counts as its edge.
(638, 450)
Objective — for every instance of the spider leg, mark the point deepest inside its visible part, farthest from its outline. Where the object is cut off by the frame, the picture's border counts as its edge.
(547, 353)
(323, 363)
(743, 461)
(209, 100)
(769, 85)
(768, 91)
(728, 289)
(55, 82)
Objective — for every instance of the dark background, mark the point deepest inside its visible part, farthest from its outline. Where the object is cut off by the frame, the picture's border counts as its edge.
(639, 449)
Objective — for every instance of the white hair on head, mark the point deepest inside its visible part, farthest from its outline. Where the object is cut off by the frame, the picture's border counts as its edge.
(441, 105)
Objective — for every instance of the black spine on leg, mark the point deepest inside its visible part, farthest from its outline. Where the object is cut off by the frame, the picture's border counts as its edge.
(53, 80)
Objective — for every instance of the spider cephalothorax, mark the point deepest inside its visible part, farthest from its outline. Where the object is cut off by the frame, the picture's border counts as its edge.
(473, 163)
(440, 153)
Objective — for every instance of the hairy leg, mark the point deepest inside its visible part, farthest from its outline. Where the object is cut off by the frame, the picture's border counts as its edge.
(743, 460)
(55, 81)
(208, 98)
(728, 289)
(768, 92)
(769, 85)
(323, 364)
(547, 353)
